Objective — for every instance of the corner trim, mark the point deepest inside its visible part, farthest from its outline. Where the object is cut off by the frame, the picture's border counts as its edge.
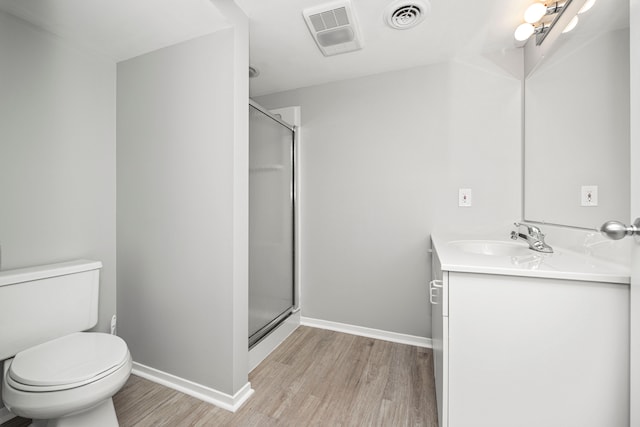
(5, 415)
(206, 394)
(368, 332)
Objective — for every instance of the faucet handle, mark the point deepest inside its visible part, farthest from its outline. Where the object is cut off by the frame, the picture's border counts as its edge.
(535, 237)
(535, 231)
(531, 229)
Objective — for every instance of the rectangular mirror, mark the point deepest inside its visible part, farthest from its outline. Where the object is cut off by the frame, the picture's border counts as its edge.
(576, 123)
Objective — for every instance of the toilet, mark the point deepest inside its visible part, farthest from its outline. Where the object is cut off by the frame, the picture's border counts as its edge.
(52, 372)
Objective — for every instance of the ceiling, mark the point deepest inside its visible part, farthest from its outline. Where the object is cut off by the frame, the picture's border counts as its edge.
(287, 56)
(121, 29)
(281, 46)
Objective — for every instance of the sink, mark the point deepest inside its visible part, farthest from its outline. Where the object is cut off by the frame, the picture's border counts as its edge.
(491, 247)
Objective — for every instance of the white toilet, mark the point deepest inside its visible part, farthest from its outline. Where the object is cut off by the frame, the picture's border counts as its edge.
(53, 373)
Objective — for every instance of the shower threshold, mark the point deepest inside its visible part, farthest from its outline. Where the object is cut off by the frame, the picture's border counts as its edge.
(265, 330)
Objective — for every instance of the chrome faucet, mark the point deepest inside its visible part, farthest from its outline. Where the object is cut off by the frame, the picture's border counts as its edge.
(534, 237)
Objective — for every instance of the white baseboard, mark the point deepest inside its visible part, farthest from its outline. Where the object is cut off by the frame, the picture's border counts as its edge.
(5, 415)
(368, 332)
(260, 351)
(206, 394)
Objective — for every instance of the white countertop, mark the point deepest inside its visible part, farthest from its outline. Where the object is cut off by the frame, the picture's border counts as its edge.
(561, 264)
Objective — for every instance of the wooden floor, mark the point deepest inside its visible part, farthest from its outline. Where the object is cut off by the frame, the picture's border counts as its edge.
(316, 377)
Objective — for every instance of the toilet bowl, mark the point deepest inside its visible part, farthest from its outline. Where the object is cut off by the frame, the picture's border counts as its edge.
(53, 373)
(66, 378)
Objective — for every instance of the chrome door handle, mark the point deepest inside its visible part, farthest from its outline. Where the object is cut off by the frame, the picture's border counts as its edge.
(433, 289)
(616, 230)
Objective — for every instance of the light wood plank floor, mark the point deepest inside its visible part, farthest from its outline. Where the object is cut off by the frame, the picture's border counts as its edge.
(315, 378)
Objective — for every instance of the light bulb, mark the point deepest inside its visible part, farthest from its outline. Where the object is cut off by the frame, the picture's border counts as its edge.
(523, 32)
(535, 12)
(587, 5)
(571, 25)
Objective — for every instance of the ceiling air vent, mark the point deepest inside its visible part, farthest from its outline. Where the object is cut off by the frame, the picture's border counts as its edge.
(334, 28)
(403, 15)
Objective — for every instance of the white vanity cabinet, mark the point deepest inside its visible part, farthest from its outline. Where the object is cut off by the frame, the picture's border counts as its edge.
(525, 351)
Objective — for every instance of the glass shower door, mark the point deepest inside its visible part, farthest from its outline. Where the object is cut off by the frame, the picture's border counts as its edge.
(271, 223)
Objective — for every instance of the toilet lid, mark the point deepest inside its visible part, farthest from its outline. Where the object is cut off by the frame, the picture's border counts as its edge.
(76, 358)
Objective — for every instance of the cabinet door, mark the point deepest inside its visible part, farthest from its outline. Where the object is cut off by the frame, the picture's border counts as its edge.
(439, 336)
(531, 352)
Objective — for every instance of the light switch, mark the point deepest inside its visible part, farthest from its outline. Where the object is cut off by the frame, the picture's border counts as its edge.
(589, 195)
(464, 197)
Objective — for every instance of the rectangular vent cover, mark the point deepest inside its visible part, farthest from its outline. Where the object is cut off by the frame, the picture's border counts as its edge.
(333, 27)
(330, 19)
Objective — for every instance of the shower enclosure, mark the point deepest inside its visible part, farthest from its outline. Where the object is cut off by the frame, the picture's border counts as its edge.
(271, 222)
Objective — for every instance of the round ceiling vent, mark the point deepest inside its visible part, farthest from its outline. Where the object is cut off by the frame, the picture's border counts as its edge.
(406, 14)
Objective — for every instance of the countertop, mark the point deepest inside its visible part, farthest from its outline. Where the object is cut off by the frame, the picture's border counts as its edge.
(561, 264)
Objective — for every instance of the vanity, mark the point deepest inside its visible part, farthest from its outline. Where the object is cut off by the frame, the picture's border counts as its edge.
(522, 338)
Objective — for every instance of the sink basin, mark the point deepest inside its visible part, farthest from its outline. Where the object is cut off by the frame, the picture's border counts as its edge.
(491, 247)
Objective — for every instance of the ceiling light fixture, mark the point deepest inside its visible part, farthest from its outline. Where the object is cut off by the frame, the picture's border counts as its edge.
(541, 17)
(526, 30)
(537, 11)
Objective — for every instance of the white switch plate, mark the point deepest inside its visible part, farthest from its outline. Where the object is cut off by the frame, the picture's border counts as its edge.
(589, 195)
(464, 197)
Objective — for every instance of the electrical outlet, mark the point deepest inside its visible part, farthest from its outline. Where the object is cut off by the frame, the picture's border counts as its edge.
(589, 195)
(464, 197)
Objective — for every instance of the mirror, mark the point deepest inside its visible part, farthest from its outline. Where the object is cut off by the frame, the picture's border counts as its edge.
(576, 123)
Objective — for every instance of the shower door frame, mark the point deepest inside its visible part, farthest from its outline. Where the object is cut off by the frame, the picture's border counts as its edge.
(261, 333)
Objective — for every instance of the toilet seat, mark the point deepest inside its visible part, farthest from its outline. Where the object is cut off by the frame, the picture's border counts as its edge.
(67, 362)
(50, 405)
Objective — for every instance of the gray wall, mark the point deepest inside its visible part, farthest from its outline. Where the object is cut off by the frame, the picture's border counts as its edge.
(57, 155)
(240, 207)
(176, 171)
(382, 160)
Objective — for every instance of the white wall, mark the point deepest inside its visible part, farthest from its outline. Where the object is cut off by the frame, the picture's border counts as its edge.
(57, 155)
(180, 300)
(383, 158)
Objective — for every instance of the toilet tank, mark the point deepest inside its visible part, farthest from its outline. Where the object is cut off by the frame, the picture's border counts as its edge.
(41, 303)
